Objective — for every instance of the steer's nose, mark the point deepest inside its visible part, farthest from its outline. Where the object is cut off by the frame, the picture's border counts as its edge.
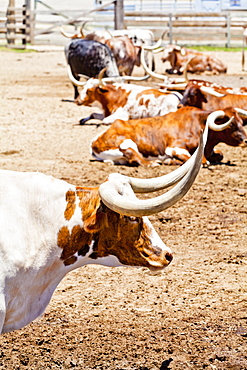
(179, 105)
(168, 257)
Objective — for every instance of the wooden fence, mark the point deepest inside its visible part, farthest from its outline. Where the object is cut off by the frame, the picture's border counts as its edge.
(17, 27)
(22, 26)
(219, 29)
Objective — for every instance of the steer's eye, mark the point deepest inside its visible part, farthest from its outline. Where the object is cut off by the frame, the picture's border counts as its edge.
(131, 218)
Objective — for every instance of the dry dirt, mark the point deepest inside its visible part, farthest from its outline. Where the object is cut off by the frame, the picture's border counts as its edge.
(191, 316)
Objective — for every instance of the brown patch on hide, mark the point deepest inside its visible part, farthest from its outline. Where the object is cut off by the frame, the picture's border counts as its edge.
(76, 241)
(89, 201)
(70, 208)
(147, 102)
(80, 237)
(70, 261)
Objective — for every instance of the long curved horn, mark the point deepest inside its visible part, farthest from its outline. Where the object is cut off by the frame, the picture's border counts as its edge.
(218, 114)
(65, 34)
(159, 50)
(174, 86)
(158, 43)
(124, 78)
(210, 91)
(155, 74)
(241, 111)
(102, 82)
(113, 193)
(73, 79)
(185, 71)
(135, 78)
(148, 70)
(81, 29)
(111, 35)
(119, 79)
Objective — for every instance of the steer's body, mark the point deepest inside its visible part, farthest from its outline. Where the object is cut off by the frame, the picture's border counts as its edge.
(199, 62)
(171, 138)
(48, 228)
(190, 84)
(195, 95)
(127, 55)
(128, 101)
(89, 57)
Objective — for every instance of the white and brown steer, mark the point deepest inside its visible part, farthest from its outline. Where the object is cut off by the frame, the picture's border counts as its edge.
(127, 101)
(49, 227)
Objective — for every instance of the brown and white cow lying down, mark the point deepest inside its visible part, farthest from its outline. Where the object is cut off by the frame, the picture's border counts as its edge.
(196, 83)
(171, 138)
(49, 227)
(127, 101)
(199, 62)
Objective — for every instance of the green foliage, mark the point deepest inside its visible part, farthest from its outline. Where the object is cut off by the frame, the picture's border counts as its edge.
(15, 50)
(212, 48)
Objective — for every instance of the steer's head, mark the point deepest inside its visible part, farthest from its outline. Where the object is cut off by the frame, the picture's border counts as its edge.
(115, 230)
(228, 126)
(193, 96)
(117, 239)
(87, 94)
(225, 127)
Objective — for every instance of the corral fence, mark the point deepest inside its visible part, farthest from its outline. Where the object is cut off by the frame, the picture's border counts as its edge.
(20, 26)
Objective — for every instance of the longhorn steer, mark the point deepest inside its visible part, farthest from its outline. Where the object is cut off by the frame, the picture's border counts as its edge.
(127, 55)
(200, 62)
(171, 138)
(188, 84)
(125, 44)
(89, 57)
(49, 227)
(127, 101)
(206, 98)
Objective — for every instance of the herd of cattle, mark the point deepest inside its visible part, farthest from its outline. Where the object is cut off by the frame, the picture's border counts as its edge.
(49, 227)
(152, 125)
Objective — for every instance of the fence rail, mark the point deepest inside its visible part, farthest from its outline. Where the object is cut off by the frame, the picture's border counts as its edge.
(20, 26)
(192, 28)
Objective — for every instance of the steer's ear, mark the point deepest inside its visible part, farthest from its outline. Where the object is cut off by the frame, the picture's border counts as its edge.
(103, 89)
(202, 96)
(94, 223)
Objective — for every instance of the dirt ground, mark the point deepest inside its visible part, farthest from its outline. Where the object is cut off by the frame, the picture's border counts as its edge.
(191, 316)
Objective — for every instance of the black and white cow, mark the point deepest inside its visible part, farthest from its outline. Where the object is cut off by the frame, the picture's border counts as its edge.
(89, 57)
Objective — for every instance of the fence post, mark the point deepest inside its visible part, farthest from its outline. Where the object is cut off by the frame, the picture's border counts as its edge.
(228, 26)
(28, 21)
(23, 30)
(118, 14)
(170, 27)
(10, 34)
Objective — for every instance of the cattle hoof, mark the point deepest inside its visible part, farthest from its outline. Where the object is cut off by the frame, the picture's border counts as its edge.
(169, 71)
(84, 120)
(155, 164)
(168, 161)
(78, 101)
(109, 162)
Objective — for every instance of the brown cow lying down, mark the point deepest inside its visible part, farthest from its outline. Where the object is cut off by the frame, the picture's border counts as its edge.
(170, 139)
(200, 62)
(200, 96)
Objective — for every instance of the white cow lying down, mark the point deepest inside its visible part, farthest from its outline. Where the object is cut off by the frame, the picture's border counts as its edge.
(49, 227)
